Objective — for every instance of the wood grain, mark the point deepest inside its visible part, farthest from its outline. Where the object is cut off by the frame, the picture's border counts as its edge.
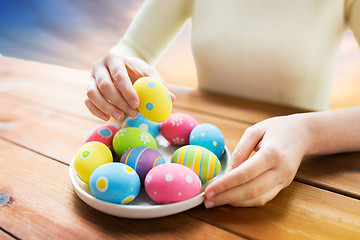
(42, 199)
(5, 236)
(298, 212)
(43, 120)
(44, 206)
(59, 136)
(64, 89)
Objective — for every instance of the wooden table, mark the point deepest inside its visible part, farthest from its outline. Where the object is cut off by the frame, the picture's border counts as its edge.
(43, 121)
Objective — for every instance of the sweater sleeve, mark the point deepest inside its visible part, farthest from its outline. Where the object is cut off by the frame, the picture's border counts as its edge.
(154, 28)
(353, 16)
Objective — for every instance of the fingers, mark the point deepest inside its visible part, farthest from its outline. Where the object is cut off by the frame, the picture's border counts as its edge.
(96, 111)
(260, 200)
(122, 81)
(246, 172)
(137, 68)
(247, 144)
(254, 193)
(101, 103)
(110, 93)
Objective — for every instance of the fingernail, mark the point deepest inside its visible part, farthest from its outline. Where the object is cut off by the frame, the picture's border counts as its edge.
(117, 115)
(132, 112)
(209, 204)
(210, 195)
(105, 118)
(134, 103)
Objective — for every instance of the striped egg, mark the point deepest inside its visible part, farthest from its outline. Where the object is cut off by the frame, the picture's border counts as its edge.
(202, 161)
(142, 159)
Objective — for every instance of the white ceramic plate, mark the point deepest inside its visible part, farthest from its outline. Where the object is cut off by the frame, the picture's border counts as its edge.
(142, 207)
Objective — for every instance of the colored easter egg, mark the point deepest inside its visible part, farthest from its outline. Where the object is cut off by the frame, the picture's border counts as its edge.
(177, 128)
(115, 182)
(131, 137)
(90, 156)
(142, 159)
(171, 182)
(155, 100)
(208, 136)
(103, 133)
(140, 122)
(202, 161)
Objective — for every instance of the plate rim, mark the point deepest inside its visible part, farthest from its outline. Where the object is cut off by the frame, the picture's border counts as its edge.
(136, 211)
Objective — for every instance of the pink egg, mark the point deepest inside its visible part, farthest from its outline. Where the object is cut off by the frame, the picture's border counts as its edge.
(171, 182)
(103, 133)
(177, 128)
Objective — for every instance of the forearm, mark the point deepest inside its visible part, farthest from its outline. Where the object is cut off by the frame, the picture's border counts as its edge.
(154, 28)
(333, 131)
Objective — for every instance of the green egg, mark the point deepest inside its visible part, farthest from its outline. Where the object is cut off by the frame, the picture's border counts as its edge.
(131, 137)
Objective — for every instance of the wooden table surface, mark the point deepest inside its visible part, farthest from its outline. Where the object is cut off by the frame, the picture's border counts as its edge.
(43, 121)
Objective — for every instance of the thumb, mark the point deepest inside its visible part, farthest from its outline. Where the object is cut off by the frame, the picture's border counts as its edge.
(138, 68)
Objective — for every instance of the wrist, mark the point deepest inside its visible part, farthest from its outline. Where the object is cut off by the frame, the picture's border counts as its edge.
(332, 131)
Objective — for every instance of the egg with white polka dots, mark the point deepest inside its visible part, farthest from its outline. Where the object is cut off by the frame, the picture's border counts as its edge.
(115, 182)
(208, 136)
(142, 159)
(203, 162)
(177, 128)
(140, 122)
(130, 137)
(155, 100)
(90, 156)
(103, 133)
(171, 182)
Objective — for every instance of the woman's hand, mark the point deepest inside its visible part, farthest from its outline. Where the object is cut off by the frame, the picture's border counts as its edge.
(110, 92)
(280, 144)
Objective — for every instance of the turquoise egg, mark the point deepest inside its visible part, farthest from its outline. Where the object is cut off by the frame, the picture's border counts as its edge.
(140, 122)
(208, 136)
(115, 182)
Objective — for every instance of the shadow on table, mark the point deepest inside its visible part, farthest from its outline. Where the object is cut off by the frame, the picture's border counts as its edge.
(176, 225)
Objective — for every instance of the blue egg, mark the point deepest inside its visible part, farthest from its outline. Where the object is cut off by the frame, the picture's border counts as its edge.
(140, 122)
(115, 182)
(208, 136)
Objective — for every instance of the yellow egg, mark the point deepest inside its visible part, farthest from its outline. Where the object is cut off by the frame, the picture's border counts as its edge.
(90, 156)
(155, 100)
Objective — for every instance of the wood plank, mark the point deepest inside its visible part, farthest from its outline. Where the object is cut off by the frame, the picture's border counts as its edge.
(298, 212)
(44, 206)
(54, 135)
(59, 136)
(228, 107)
(5, 236)
(64, 89)
(339, 173)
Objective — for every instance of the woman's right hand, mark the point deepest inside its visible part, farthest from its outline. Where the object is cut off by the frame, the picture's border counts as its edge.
(110, 92)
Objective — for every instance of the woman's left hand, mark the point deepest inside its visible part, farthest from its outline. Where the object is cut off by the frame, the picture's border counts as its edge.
(252, 180)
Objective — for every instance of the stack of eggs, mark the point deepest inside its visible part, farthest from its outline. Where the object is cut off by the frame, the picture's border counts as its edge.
(140, 163)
